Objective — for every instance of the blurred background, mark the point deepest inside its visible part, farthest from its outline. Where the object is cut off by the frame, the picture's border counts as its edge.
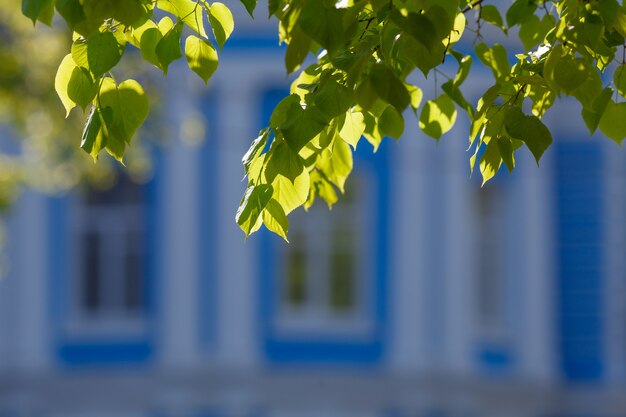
(132, 292)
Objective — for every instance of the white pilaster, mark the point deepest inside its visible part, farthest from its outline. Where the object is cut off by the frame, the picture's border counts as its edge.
(178, 280)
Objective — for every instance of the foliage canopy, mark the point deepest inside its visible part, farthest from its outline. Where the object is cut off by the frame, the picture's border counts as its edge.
(361, 55)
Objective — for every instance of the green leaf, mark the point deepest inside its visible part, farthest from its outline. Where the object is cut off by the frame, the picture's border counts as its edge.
(168, 49)
(149, 40)
(291, 195)
(619, 78)
(490, 14)
(250, 5)
(438, 116)
(252, 205)
(353, 127)
(528, 129)
(42, 10)
(323, 24)
(302, 125)
(72, 11)
(336, 165)
(570, 73)
(96, 131)
(81, 88)
(495, 58)
(592, 114)
(388, 87)
(457, 96)
(564, 72)
(491, 161)
(534, 30)
(62, 81)
(417, 25)
(587, 92)
(520, 11)
(391, 123)
(333, 99)
(201, 57)
(613, 121)
(507, 152)
(99, 53)
(279, 114)
(297, 50)
(416, 95)
(190, 12)
(275, 219)
(129, 12)
(129, 106)
(221, 22)
(256, 148)
(283, 161)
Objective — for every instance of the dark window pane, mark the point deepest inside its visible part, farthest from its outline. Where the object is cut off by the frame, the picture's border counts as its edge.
(342, 280)
(91, 272)
(296, 272)
(133, 296)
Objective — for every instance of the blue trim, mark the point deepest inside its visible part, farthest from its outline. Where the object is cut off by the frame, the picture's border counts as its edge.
(207, 249)
(580, 207)
(496, 359)
(267, 41)
(75, 351)
(320, 348)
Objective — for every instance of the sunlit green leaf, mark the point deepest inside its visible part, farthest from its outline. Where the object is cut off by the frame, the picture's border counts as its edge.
(201, 57)
(221, 22)
(189, 11)
(613, 121)
(275, 219)
(252, 205)
(168, 48)
(353, 127)
(129, 106)
(491, 161)
(81, 88)
(99, 53)
(438, 116)
(337, 165)
(62, 81)
(96, 131)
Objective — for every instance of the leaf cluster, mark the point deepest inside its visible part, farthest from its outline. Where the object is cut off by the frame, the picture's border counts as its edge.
(355, 60)
(103, 32)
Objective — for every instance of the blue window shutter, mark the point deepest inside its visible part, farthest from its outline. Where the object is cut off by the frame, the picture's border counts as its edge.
(579, 221)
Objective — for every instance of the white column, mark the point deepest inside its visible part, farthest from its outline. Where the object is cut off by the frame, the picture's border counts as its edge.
(408, 269)
(178, 246)
(7, 286)
(30, 311)
(537, 339)
(457, 262)
(238, 266)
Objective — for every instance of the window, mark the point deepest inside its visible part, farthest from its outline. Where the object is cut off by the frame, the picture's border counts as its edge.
(324, 274)
(109, 266)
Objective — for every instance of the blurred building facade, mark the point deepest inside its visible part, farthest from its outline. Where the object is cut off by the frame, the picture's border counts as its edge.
(419, 294)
